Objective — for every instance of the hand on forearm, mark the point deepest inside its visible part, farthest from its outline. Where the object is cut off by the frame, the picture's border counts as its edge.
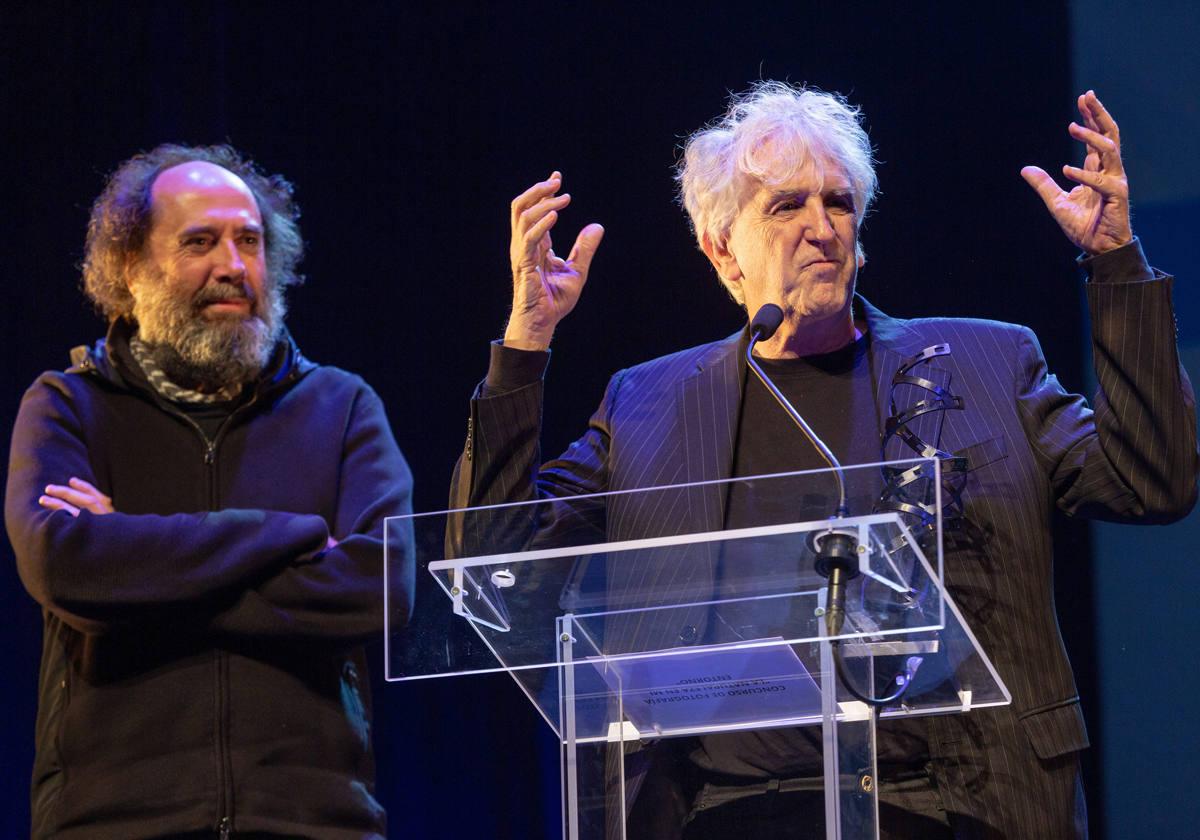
(75, 496)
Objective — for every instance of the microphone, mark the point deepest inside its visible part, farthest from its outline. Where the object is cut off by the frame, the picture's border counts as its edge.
(766, 322)
(836, 548)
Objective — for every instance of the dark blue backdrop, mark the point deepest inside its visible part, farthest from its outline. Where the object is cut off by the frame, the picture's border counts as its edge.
(408, 131)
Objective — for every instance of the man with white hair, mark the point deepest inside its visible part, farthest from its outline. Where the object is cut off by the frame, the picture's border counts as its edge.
(776, 191)
(199, 511)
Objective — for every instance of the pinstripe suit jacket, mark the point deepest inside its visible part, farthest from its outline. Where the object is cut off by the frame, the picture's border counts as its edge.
(1132, 458)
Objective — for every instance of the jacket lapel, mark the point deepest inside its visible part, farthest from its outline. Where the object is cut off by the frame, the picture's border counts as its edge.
(709, 402)
(892, 342)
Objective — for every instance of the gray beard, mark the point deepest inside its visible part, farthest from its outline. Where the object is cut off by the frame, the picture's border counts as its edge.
(201, 353)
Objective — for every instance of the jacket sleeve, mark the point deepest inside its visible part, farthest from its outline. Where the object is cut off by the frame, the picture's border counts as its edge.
(500, 465)
(100, 571)
(337, 594)
(1134, 458)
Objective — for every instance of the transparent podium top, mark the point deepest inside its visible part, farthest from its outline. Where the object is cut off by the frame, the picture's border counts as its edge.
(642, 592)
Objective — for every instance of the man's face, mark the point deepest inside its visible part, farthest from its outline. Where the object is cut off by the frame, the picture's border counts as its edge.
(202, 289)
(795, 245)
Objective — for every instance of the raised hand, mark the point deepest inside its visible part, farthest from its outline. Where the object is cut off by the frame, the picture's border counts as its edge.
(74, 496)
(545, 286)
(1095, 214)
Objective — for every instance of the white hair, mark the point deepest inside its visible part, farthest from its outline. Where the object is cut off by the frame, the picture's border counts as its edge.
(767, 136)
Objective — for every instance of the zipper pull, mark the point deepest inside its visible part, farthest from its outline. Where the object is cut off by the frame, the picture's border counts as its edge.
(209, 452)
(225, 828)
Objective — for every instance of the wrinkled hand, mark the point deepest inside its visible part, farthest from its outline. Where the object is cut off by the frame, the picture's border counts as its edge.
(1095, 214)
(545, 286)
(75, 496)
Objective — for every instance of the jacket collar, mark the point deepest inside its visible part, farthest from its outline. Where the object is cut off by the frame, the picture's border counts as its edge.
(111, 359)
(890, 334)
(710, 401)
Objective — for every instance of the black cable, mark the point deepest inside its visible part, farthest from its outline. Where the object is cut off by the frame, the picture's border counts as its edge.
(835, 616)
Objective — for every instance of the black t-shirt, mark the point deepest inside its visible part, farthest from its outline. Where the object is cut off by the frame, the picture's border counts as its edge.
(835, 394)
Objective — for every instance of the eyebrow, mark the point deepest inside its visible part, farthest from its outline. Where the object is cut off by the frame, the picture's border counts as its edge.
(774, 198)
(249, 227)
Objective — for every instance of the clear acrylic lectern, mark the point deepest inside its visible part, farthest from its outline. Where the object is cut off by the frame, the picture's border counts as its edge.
(636, 616)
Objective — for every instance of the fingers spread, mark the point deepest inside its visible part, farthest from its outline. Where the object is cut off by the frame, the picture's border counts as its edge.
(534, 194)
(1094, 139)
(1103, 152)
(538, 211)
(540, 229)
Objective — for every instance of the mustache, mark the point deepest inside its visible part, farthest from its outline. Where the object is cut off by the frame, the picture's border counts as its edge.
(219, 292)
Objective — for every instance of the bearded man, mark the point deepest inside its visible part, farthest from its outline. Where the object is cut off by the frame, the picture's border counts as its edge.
(199, 511)
(776, 190)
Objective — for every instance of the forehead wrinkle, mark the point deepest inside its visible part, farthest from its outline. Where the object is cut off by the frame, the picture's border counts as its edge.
(785, 154)
(808, 179)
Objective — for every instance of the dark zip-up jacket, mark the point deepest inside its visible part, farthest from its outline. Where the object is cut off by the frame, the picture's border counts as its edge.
(202, 664)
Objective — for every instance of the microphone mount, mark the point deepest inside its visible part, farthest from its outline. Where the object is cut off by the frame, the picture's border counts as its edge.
(836, 549)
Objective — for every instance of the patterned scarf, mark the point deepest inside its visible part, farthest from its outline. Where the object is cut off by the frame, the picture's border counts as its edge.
(168, 389)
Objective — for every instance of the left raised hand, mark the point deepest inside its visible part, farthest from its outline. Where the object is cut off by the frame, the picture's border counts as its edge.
(1095, 214)
(75, 496)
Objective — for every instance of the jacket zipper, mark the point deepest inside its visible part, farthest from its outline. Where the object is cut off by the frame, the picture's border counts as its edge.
(225, 803)
(224, 768)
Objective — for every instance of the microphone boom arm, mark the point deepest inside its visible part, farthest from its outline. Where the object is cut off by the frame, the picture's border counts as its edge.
(818, 444)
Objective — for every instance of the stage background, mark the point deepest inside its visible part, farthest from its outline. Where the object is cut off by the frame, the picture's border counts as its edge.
(408, 130)
(1146, 581)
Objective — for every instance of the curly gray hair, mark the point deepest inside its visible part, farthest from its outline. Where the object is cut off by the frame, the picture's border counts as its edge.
(769, 133)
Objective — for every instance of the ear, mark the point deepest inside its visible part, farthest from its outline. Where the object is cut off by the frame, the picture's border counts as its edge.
(860, 256)
(718, 253)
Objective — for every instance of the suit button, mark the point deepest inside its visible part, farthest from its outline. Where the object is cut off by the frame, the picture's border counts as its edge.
(688, 634)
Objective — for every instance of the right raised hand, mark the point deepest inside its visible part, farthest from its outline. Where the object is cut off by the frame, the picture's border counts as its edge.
(545, 286)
